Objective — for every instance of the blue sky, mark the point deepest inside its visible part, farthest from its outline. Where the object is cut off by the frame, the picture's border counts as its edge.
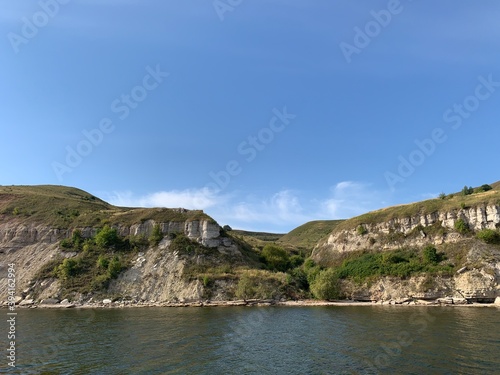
(265, 113)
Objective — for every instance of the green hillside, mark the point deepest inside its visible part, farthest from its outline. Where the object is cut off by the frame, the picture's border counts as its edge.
(308, 235)
(66, 207)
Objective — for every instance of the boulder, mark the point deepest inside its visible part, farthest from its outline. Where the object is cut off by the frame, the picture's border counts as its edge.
(106, 301)
(49, 301)
(66, 303)
(26, 302)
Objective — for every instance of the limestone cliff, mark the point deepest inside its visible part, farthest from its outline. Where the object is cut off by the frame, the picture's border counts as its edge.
(156, 274)
(478, 274)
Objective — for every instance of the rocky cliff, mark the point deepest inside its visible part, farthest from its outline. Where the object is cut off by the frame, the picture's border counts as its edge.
(477, 264)
(155, 275)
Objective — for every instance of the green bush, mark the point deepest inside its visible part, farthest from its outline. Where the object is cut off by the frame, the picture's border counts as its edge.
(100, 282)
(326, 286)
(103, 262)
(66, 244)
(461, 226)
(156, 235)
(489, 236)
(467, 190)
(107, 237)
(361, 230)
(430, 255)
(68, 268)
(276, 257)
(483, 188)
(114, 268)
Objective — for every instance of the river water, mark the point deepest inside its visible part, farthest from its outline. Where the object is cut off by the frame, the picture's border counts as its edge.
(257, 340)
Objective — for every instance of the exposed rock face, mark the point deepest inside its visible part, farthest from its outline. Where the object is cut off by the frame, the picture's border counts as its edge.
(29, 247)
(157, 276)
(479, 280)
(477, 218)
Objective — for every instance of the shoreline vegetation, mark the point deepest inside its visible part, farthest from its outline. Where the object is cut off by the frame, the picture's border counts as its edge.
(106, 303)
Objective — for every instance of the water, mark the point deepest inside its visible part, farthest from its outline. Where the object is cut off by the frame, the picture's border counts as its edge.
(258, 340)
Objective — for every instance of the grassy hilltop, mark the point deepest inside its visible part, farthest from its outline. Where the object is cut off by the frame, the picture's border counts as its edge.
(66, 207)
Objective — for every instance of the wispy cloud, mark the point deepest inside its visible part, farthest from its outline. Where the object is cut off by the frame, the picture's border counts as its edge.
(190, 198)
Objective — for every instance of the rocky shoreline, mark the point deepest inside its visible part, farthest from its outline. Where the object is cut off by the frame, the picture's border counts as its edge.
(52, 303)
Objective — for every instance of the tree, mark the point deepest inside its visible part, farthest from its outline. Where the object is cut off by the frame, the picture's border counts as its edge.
(326, 286)
(483, 188)
(467, 190)
(276, 257)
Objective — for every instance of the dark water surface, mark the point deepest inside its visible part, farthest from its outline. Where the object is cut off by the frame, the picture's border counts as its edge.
(257, 340)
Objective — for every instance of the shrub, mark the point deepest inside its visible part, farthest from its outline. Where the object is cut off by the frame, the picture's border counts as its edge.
(461, 226)
(107, 237)
(430, 255)
(77, 239)
(361, 230)
(103, 262)
(489, 236)
(100, 282)
(296, 261)
(66, 243)
(68, 268)
(483, 188)
(156, 235)
(298, 277)
(208, 281)
(326, 286)
(442, 196)
(114, 268)
(276, 257)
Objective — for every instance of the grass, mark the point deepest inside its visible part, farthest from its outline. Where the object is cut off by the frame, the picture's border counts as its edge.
(308, 235)
(65, 207)
(450, 203)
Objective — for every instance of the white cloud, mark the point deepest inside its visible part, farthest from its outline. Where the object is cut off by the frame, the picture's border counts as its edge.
(198, 199)
(349, 199)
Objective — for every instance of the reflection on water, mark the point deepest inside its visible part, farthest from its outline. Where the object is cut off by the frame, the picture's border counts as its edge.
(264, 340)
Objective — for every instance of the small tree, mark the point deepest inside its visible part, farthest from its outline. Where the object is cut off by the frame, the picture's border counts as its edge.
(483, 188)
(276, 257)
(467, 190)
(326, 286)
